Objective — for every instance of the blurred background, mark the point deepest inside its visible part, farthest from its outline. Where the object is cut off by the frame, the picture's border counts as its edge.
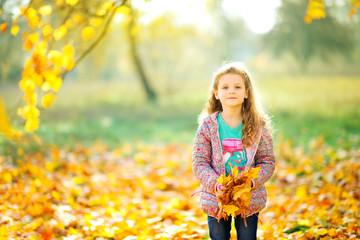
(149, 82)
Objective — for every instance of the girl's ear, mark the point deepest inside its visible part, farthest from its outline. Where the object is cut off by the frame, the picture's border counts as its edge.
(246, 94)
(216, 94)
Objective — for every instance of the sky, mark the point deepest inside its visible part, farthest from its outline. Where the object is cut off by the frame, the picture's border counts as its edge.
(259, 15)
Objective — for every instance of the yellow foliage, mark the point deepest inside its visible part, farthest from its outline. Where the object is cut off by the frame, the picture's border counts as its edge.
(47, 100)
(69, 24)
(123, 10)
(230, 210)
(45, 10)
(30, 41)
(5, 126)
(55, 57)
(315, 10)
(60, 32)
(59, 2)
(72, 2)
(32, 17)
(355, 4)
(14, 29)
(95, 21)
(87, 33)
(78, 18)
(68, 52)
(237, 197)
(91, 194)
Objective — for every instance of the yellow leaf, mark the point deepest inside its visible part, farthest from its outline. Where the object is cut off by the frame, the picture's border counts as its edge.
(3, 27)
(95, 21)
(32, 17)
(69, 23)
(72, 2)
(5, 126)
(31, 124)
(1, 11)
(7, 177)
(230, 209)
(305, 222)
(78, 18)
(45, 87)
(59, 2)
(45, 10)
(352, 12)
(68, 50)
(107, 5)
(30, 41)
(87, 33)
(55, 57)
(124, 10)
(32, 99)
(332, 232)
(56, 195)
(14, 29)
(315, 10)
(223, 180)
(56, 84)
(48, 100)
(301, 191)
(234, 172)
(240, 190)
(254, 172)
(47, 30)
(322, 232)
(60, 32)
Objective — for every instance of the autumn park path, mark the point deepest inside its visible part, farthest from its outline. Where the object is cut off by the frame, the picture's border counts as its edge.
(144, 192)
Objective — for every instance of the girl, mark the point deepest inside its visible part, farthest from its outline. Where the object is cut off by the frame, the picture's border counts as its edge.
(236, 132)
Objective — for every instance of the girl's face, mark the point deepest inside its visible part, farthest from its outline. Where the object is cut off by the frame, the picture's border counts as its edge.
(231, 90)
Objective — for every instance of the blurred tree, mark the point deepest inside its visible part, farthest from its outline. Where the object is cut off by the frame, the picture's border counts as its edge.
(132, 31)
(323, 38)
(235, 40)
(59, 34)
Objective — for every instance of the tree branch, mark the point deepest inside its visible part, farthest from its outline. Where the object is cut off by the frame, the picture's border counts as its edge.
(97, 41)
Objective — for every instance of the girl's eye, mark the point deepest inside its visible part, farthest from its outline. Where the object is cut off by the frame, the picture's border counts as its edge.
(225, 87)
(238, 87)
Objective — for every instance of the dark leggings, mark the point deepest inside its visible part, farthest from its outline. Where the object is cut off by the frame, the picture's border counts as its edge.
(221, 230)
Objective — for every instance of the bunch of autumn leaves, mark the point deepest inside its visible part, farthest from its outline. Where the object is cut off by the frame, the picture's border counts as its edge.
(236, 198)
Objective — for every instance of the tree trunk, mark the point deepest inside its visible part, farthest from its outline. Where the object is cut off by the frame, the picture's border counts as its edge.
(150, 93)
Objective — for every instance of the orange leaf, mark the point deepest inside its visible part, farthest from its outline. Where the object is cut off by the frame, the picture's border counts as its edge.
(30, 41)
(3, 27)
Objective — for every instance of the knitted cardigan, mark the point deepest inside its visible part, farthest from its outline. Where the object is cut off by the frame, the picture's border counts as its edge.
(208, 165)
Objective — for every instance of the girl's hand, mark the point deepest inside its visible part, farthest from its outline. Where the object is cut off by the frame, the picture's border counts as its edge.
(219, 187)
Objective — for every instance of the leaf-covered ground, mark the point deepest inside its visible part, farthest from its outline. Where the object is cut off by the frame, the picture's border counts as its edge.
(143, 191)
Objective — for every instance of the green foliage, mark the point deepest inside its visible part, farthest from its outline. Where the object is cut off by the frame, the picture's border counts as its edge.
(322, 38)
(303, 108)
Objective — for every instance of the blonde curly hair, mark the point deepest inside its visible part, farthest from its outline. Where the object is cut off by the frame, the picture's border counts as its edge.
(252, 112)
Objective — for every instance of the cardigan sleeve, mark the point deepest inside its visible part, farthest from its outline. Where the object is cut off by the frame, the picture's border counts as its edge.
(201, 158)
(265, 159)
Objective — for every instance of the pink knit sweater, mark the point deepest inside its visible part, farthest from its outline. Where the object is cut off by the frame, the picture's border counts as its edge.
(208, 165)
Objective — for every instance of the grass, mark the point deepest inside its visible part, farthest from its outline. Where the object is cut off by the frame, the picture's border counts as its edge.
(303, 108)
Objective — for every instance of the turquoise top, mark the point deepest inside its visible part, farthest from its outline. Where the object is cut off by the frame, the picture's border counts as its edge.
(234, 153)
